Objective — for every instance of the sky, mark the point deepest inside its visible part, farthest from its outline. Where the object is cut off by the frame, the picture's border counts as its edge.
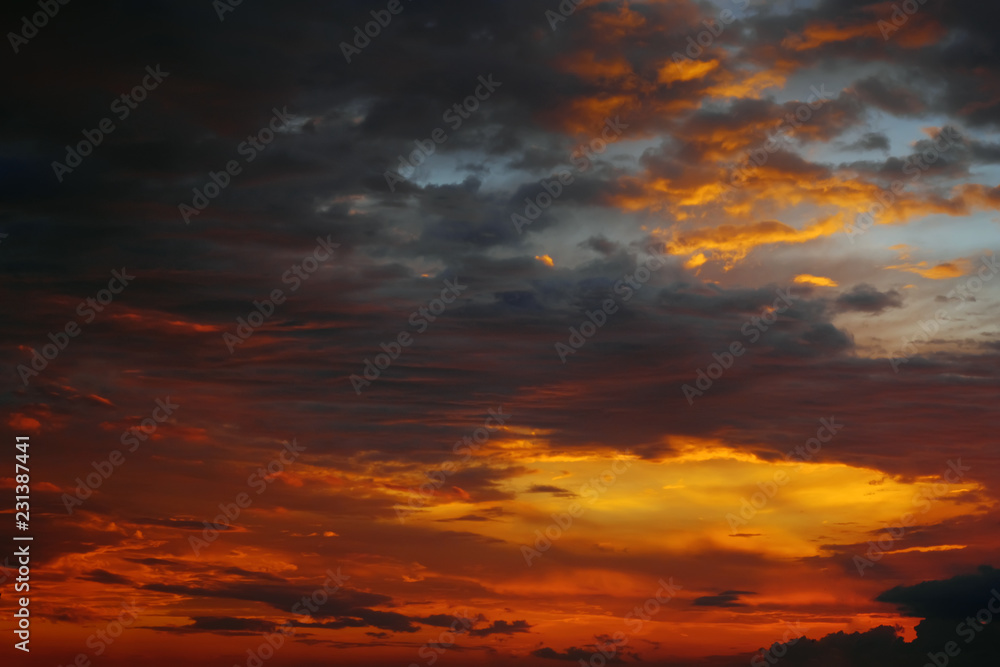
(523, 332)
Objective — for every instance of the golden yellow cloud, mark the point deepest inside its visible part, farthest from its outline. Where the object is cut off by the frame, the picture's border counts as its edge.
(815, 280)
(706, 493)
(738, 83)
(695, 261)
(733, 242)
(943, 271)
(685, 70)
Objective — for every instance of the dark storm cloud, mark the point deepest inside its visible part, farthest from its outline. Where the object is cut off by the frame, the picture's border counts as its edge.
(889, 96)
(280, 596)
(879, 645)
(440, 620)
(868, 299)
(600, 244)
(501, 628)
(222, 625)
(949, 608)
(954, 598)
(344, 607)
(548, 488)
(724, 599)
(870, 141)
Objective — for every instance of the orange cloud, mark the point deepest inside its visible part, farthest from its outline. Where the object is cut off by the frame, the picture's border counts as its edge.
(685, 70)
(618, 26)
(815, 280)
(733, 242)
(738, 83)
(20, 422)
(943, 271)
(695, 261)
(819, 34)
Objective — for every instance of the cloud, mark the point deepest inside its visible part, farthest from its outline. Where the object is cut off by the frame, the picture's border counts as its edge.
(668, 181)
(501, 628)
(888, 96)
(954, 598)
(223, 625)
(870, 141)
(948, 607)
(867, 299)
(736, 241)
(346, 606)
(724, 599)
(554, 490)
(809, 279)
(941, 271)
(105, 577)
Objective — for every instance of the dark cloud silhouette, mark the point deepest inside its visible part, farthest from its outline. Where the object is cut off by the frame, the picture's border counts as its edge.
(105, 577)
(724, 599)
(548, 488)
(870, 141)
(867, 299)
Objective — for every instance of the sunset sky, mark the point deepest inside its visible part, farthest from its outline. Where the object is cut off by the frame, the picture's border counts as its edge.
(502, 332)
